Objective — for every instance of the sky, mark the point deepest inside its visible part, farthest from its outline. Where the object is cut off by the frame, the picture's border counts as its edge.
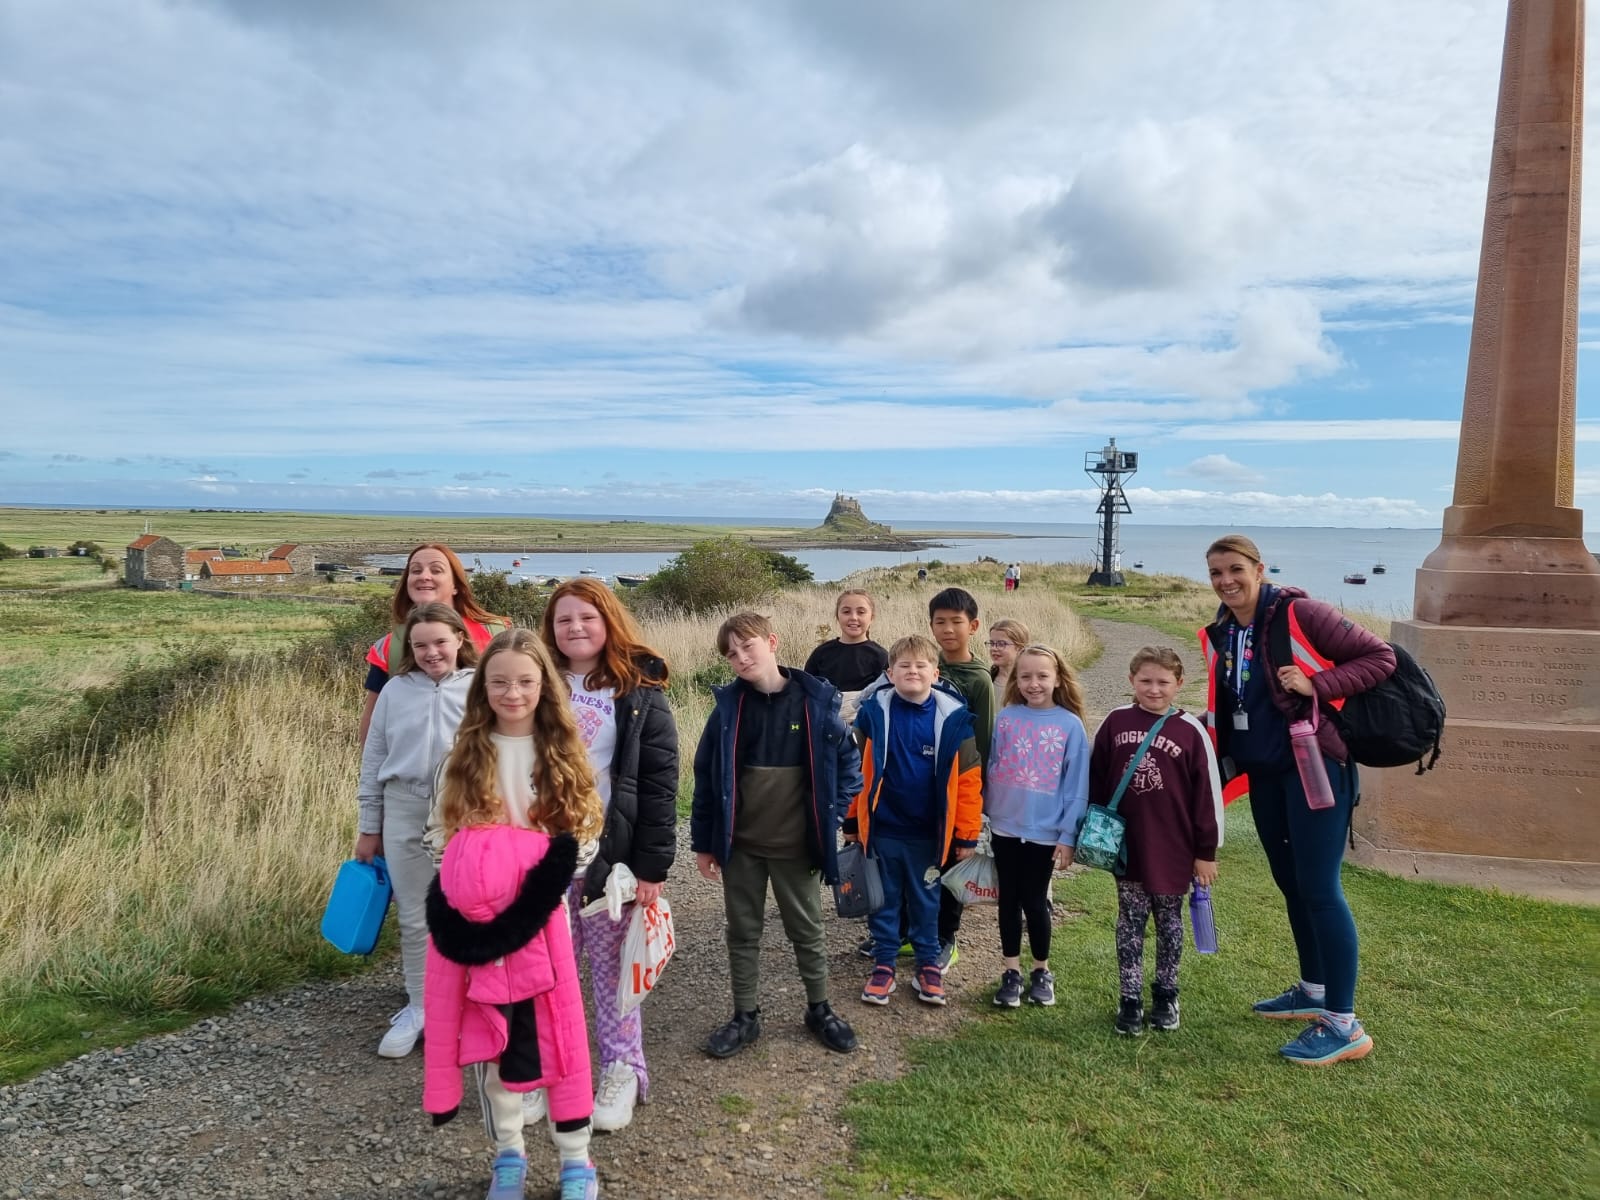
(730, 258)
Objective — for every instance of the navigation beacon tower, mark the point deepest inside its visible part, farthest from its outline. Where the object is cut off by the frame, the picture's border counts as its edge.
(1108, 468)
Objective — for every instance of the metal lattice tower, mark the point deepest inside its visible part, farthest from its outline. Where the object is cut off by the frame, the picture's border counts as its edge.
(1109, 468)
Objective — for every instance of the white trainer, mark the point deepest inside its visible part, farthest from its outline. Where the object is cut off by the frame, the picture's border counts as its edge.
(613, 1102)
(405, 1027)
(535, 1107)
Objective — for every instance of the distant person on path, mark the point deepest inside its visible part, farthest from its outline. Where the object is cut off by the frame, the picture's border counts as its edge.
(953, 617)
(852, 660)
(1250, 700)
(774, 771)
(1007, 637)
(1010, 577)
(1035, 798)
(413, 727)
(615, 682)
(433, 575)
(1173, 810)
(519, 812)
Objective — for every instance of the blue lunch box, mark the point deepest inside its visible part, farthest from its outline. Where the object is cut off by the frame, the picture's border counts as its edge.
(356, 907)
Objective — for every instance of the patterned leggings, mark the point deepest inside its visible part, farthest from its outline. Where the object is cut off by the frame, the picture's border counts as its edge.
(1134, 906)
(621, 1039)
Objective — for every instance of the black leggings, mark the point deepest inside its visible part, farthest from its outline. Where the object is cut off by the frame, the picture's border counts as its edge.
(1023, 870)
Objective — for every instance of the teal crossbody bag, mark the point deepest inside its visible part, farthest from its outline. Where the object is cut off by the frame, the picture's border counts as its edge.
(1102, 838)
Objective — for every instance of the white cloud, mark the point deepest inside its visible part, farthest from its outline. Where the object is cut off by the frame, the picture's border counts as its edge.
(1221, 468)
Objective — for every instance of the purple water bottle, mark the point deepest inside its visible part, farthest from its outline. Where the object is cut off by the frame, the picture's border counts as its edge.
(1202, 920)
(1308, 760)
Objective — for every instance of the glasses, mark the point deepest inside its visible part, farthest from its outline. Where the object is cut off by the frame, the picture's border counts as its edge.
(999, 644)
(501, 687)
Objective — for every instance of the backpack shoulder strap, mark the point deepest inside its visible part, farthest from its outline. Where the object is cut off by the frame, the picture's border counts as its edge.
(1278, 636)
(1133, 763)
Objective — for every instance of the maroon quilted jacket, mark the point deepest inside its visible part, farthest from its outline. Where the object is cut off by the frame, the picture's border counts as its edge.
(1361, 658)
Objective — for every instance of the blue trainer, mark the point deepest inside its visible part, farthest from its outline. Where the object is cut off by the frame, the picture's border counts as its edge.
(1321, 1044)
(578, 1182)
(1293, 1005)
(507, 1176)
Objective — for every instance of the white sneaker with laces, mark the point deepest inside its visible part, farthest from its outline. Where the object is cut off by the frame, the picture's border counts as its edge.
(535, 1107)
(405, 1027)
(614, 1100)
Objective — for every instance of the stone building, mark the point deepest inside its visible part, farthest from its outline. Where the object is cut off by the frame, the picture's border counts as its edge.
(153, 563)
(300, 558)
(231, 571)
(193, 560)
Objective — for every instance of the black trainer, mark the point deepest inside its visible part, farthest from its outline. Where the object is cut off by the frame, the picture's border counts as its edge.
(1009, 993)
(735, 1035)
(832, 1030)
(1130, 1017)
(1164, 1010)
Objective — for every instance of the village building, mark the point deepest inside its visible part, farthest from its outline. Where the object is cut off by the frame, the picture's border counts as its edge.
(193, 560)
(300, 558)
(153, 563)
(44, 552)
(244, 570)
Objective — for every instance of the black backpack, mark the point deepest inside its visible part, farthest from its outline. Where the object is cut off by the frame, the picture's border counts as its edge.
(1395, 724)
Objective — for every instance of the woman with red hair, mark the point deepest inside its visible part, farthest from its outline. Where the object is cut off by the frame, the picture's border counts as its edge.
(433, 575)
(615, 682)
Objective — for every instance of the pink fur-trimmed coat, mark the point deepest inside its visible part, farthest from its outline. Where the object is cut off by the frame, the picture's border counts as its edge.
(502, 982)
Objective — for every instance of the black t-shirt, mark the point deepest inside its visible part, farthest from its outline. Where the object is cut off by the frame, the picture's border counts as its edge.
(848, 666)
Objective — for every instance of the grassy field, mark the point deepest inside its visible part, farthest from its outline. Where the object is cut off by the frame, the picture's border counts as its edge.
(1480, 1084)
(85, 630)
(114, 528)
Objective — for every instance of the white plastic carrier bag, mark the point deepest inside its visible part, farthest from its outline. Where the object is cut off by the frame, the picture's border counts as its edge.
(645, 951)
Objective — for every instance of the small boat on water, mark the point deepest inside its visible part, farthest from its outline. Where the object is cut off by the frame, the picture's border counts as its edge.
(1355, 577)
(587, 571)
(1138, 566)
(631, 581)
(1274, 569)
(1379, 569)
(516, 562)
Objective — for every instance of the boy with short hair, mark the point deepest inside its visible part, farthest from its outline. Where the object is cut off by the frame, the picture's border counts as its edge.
(921, 804)
(774, 768)
(953, 617)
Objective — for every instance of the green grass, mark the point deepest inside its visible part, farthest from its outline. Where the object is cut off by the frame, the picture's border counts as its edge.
(64, 630)
(1479, 1004)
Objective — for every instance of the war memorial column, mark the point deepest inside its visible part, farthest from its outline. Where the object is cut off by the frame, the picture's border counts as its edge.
(1508, 606)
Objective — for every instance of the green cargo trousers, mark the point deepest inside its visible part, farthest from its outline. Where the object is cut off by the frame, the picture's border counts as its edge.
(744, 894)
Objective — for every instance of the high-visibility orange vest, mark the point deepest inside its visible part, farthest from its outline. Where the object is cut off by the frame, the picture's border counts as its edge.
(386, 651)
(1302, 651)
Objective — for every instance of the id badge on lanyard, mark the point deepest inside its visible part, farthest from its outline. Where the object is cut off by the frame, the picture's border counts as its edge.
(1241, 653)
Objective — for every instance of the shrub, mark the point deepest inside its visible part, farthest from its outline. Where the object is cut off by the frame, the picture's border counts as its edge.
(520, 600)
(717, 573)
(788, 568)
(10, 551)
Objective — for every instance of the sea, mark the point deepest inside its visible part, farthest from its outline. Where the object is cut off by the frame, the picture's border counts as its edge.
(1314, 558)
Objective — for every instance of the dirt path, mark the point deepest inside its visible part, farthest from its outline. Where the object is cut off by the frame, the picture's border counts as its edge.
(284, 1097)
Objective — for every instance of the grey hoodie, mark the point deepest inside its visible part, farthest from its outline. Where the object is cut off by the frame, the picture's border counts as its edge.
(413, 727)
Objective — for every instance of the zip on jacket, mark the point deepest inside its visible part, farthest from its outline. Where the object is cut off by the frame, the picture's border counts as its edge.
(413, 728)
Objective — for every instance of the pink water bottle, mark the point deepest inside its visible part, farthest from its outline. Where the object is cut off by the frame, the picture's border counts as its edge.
(1308, 761)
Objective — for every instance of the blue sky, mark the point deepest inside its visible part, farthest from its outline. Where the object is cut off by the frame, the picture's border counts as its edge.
(729, 259)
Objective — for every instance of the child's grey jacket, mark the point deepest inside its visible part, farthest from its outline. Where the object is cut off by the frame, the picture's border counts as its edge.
(413, 727)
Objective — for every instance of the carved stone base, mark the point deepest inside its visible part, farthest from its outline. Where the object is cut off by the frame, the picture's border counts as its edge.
(1515, 798)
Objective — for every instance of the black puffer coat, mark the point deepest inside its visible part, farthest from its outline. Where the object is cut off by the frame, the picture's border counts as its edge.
(641, 824)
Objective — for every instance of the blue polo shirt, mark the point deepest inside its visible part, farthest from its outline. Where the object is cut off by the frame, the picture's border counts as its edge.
(905, 799)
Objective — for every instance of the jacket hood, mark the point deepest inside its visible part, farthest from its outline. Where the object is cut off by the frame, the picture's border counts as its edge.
(651, 667)
(496, 888)
(815, 689)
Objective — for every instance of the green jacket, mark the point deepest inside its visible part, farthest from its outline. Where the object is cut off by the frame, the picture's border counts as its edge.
(971, 679)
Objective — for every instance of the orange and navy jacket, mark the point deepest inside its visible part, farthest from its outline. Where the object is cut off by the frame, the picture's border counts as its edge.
(956, 817)
(1339, 657)
(385, 654)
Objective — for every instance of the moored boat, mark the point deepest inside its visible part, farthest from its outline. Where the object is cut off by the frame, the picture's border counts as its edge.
(1379, 569)
(1355, 577)
(631, 581)
(1274, 569)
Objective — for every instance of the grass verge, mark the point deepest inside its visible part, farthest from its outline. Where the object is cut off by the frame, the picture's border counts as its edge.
(1479, 1084)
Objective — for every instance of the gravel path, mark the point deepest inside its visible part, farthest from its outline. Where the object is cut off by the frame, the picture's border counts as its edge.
(284, 1097)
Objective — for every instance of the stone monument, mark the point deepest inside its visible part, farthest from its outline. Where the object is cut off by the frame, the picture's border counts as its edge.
(1508, 607)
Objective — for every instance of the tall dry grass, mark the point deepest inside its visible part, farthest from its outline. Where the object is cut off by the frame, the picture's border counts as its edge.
(191, 866)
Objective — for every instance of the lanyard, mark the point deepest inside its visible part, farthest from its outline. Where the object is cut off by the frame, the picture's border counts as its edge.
(1239, 657)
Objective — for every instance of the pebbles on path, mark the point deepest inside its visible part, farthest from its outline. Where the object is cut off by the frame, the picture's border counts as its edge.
(284, 1096)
